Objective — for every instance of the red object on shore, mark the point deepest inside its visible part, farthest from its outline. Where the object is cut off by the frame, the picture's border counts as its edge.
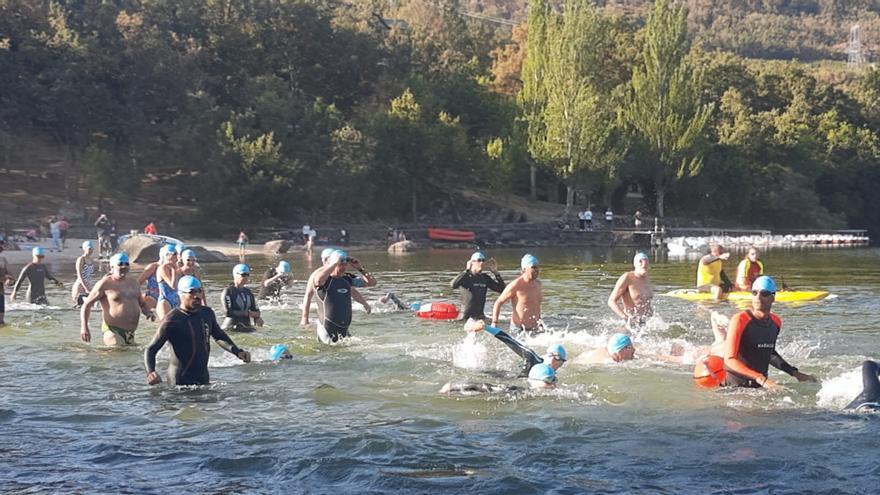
(450, 235)
(438, 311)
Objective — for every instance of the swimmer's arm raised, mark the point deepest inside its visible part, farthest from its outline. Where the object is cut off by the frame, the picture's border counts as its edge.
(619, 289)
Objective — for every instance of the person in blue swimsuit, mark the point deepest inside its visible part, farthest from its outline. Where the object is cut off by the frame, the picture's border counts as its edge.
(167, 275)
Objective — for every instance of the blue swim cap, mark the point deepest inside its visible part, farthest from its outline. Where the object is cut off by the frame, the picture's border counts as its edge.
(88, 245)
(279, 351)
(639, 257)
(241, 269)
(283, 267)
(338, 256)
(542, 372)
(118, 259)
(325, 254)
(38, 251)
(478, 256)
(188, 283)
(166, 251)
(527, 261)
(618, 342)
(188, 253)
(178, 248)
(415, 306)
(557, 351)
(764, 283)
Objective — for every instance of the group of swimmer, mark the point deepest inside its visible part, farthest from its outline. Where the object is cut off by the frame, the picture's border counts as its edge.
(740, 356)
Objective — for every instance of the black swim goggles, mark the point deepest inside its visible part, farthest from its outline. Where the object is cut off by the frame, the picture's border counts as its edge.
(763, 293)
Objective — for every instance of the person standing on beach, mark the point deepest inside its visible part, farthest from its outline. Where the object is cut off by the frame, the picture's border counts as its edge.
(474, 284)
(36, 274)
(242, 243)
(188, 329)
(150, 229)
(5, 278)
(121, 302)
(55, 231)
(526, 295)
(632, 294)
(85, 274)
(63, 225)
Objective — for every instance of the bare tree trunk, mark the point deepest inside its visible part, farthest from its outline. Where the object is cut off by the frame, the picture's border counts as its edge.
(569, 201)
(661, 196)
(532, 181)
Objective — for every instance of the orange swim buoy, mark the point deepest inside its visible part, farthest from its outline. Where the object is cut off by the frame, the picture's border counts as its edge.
(438, 311)
(709, 372)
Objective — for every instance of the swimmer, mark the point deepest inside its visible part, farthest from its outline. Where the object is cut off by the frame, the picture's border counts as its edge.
(555, 355)
(85, 270)
(148, 276)
(190, 264)
(869, 399)
(167, 274)
(36, 274)
(397, 302)
(239, 302)
(279, 352)
(335, 293)
(541, 376)
(5, 279)
(122, 304)
(526, 295)
(366, 279)
(632, 294)
(274, 280)
(619, 348)
(474, 283)
(750, 346)
(187, 328)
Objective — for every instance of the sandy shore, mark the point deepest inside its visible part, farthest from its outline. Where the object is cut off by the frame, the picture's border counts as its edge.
(73, 251)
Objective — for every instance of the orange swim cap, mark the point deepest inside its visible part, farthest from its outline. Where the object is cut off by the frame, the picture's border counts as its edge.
(709, 372)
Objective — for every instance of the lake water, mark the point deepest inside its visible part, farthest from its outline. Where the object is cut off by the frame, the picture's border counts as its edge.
(365, 416)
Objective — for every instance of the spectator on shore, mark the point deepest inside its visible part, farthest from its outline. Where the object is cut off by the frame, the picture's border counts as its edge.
(588, 218)
(64, 226)
(150, 229)
(609, 217)
(242, 243)
(55, 230)
(305, 233)
(582, 220)
(637, 219)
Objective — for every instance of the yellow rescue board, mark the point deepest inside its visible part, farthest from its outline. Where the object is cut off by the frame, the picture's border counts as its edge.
(781, 296)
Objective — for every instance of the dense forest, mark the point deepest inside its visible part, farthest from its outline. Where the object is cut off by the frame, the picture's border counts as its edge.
(378, 109)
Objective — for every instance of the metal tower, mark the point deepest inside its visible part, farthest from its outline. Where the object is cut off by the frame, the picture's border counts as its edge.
(854, 51)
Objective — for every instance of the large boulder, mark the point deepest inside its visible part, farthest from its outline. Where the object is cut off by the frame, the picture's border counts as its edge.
(278, 246)
(206, 256)
(141, 249)
(402, 247)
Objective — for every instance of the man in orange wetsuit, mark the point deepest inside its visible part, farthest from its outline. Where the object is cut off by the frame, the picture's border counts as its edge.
(750, 346)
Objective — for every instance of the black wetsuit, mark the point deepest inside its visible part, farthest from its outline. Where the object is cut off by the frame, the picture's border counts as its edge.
(189, 334)
(274, 289)
(869, 399)
(36, 274)
(239, 302)
(530, 356)
(757, 350)
(334, 309)
(473, 292)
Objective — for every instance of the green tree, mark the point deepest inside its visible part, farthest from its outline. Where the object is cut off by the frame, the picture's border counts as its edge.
(664, 106)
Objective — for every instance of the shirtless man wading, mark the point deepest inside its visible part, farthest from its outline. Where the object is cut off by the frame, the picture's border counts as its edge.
(122, 304)
(631, 297)
(526, 296)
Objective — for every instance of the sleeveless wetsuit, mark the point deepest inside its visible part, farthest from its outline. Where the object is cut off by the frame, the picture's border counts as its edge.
(334, 310)
(473, 292)
(869, 399)
(239, 302)
(189, 334)
(755, 341)
(166, 293)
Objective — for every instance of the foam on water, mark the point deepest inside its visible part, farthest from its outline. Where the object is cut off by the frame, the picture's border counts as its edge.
(840, 390)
